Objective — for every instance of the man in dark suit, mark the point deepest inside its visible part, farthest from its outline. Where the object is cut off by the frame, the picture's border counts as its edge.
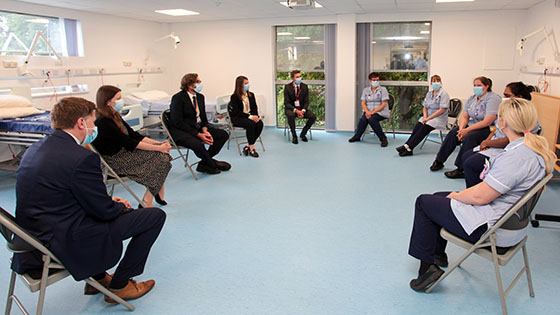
(189, 126)
(296, 104)
(62, 200)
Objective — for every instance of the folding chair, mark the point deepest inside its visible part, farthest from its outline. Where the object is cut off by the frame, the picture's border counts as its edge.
(20, 241)
(222, 108)
(110, 177)
(391, 104)
(185, 157)
(455, 107)
(516, 218)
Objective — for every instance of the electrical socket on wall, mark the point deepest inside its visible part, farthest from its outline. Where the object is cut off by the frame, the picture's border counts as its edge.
(10, 64)
(127, 63)
(541, 61)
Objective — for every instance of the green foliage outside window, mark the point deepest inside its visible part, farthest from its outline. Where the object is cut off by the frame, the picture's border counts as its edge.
(408, 106)
(316, 105)
(24, 28)
(404, 76)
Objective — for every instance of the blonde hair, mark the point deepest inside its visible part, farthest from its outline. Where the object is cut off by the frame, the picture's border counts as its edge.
(521, 117)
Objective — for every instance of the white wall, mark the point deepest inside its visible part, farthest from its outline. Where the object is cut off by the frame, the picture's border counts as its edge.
(547, 15)
(108, 41)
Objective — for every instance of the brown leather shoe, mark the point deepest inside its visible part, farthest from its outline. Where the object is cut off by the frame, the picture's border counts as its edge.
(133, 290)
(90, 290)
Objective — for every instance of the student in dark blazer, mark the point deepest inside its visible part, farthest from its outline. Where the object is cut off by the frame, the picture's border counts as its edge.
(296, 104)
(245, 114)
(189, 126)
(62, 200)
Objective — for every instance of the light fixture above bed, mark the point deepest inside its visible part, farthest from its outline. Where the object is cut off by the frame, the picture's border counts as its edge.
(23, 71)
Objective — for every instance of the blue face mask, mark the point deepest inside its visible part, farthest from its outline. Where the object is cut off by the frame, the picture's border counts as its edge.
(246, 87)
(436, 86)
(298, 81)
(375, 83)
(89, 138)
(198, 87)
(119, 104)
(478, 90)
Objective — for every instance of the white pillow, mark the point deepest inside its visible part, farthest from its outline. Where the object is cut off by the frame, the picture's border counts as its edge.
(10, 100)
(16, 112)
(150, 95)
(131, 100)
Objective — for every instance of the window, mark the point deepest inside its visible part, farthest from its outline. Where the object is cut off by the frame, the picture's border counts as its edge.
(400, 52)
(301, 47)
(18, 30)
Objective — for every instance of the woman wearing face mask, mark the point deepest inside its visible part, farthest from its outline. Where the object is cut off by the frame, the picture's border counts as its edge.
(375, 100)
(475, 160)
(469, 213)
(434, 116)
(130, 154)
(245, 114)
(474, 126)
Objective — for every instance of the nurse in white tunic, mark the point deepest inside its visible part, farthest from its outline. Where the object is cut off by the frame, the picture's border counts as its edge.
(469, 213)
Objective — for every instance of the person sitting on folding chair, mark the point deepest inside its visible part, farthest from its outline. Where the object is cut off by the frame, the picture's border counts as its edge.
(144, 160)
(244, 113)
(375, 106)
(434, 116)
(474, 126)
(189, 126)
(296, 104)
(469, 213)
(475, 159)
(62, 201)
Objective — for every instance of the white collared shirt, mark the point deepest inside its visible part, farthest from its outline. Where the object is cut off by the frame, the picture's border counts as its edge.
(75, 139)
(195, 106)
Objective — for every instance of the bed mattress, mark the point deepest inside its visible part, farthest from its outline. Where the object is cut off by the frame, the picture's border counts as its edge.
(40, 123)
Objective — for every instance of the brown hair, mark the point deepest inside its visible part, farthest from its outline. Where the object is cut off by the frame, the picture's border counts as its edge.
(486, 81)
(68, 110)
(374, 75)
(239, 86)
(104, 94)
(188, 79)
(435, 76)
(294, 72)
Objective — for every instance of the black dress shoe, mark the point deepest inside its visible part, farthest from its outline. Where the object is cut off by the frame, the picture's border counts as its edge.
(254, 153)
(436, 166)
(222, 166)
(401, 149)
(384, 143)
(440, 259)
(353, 139)
(405, 153)
(246, 150)
(203, 168)
(159, 200)
(303, 138)
(425, 280)
(294, 140)
(456, 173)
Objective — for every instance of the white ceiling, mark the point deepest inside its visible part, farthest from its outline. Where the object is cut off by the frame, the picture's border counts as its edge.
(241, 9)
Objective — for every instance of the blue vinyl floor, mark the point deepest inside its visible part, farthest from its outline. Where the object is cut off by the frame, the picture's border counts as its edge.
(315, 228)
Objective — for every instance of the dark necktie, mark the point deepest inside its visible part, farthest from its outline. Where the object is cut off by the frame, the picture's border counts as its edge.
(194, 102)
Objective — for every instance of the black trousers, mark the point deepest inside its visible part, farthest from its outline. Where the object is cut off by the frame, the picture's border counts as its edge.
(472, 139)
(374, 122)
(252, 129)
(194, 143)
(431, 213)
(143, 226)
(419, 132)
(473, 166)
(291, 116)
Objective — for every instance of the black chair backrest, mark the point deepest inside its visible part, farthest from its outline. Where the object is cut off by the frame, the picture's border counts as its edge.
(391, 102)
(165, 117)
(455, 105)
(523, 215)
(15, 243)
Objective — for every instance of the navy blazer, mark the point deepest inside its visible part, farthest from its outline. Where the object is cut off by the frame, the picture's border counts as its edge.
(62, 201)
(183, 114)
(236, 105)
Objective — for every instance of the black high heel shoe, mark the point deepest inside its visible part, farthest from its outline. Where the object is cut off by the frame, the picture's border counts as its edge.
(254, 153)
(159, 200)
(246, 150)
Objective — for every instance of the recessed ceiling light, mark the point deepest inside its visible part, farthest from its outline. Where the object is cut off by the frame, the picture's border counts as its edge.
(401, 37)
(441, 1)
(318, 42)
(177, 12)
(424, 32)
(284, 34)
(38, 21)
(374, 42)
(427, 23)
(315, 4)
(302, 37)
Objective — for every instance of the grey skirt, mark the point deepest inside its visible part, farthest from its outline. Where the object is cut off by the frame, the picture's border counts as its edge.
(148, 168)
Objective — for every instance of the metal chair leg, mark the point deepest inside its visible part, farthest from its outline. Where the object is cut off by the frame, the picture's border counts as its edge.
(110, 294)
(10, 293)
(43, 286)
(423, 142)
(498, 275)
(262, 145)
(528, 271)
